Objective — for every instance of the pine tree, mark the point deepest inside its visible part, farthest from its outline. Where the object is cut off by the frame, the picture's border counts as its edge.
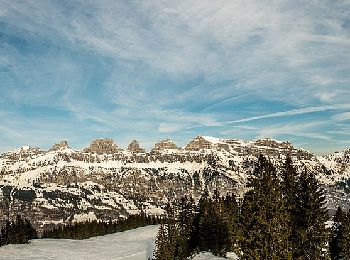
(167, 241)
(311, 215)
(334, 244)
(263, 216)
(17, 232)
(231, 210)
(289, 186)
(221, 227)
(162, 250)
(340, 241)
(186, 217)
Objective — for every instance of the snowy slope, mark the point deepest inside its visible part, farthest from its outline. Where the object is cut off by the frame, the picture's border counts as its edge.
(105, 182)
(210, 256)
(134, 244)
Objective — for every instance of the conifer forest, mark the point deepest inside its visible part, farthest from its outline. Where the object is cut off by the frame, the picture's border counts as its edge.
(282, 216)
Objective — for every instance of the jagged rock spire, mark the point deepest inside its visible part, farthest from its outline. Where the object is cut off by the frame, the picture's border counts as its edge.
(198, 143)
(60, 146)
(101, 146)
(164, 145)
(135, 147)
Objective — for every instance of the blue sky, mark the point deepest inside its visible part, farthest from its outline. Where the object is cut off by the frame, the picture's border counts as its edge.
(149, 70)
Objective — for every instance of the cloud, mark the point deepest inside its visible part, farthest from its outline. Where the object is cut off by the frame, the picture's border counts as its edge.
(163, 67)
(295, 129)
(342, 116)
(294, 112)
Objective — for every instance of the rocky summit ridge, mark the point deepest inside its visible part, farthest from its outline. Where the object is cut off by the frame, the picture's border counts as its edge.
(105, 182)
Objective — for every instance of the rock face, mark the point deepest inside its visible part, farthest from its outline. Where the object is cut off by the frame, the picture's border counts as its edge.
(274, 144)
(135, 147)
(165, 145)
(198, 143)
(106, 183)
(60, 146)
(102, 146)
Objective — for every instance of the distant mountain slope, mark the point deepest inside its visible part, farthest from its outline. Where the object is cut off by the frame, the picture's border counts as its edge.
(106, 182)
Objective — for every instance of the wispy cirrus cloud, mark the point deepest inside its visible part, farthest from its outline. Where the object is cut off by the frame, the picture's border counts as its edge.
(299, 111)
(342, 116)
(149, 69)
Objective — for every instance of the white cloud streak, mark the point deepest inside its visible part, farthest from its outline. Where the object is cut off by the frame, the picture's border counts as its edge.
(294, 112)
(172, 66)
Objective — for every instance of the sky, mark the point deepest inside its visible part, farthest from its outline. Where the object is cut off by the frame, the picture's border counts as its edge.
(150, 70)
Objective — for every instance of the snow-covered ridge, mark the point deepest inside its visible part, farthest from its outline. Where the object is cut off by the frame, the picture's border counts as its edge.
(106, 182)
(109, 146)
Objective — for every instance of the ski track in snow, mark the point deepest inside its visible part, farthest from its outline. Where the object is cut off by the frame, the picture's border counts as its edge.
(134, 244)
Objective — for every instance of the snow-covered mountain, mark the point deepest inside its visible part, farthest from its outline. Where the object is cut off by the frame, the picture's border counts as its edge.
(106, 182)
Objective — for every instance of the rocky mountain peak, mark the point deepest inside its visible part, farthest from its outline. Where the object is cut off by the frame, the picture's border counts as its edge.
(199, 143)
(207, 142)
(274, 144)
(60, 146)
(101, 146)
(135, 147)
(165, 145)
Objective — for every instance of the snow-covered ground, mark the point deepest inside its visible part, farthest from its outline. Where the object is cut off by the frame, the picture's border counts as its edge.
(210, 256)
(134, 244)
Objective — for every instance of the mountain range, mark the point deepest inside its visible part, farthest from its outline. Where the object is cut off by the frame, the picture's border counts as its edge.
(105, 182)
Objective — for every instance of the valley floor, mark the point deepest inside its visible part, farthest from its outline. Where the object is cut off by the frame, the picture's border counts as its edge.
(134, 244)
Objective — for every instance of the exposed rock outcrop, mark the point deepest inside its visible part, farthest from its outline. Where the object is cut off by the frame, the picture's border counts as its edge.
(166, 144)
(60, 146)
(135, 147)
(274, 144)
(102, 146)
(198, 143)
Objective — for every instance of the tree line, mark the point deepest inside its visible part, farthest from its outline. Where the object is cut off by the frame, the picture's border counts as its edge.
(282, 216)
(87, 229)
(19, 231)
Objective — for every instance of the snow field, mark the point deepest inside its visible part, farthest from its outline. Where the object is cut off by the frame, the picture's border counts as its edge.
(136, 244)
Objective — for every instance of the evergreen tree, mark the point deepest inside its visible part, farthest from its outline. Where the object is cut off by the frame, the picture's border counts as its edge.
(289, 185)
(340, 241)
(311, 215)
(186, 209)
(17, 232)
(88, 229)
(263, 216)
(164, 248)
(222, 233)
(231, 210)
(168, 238)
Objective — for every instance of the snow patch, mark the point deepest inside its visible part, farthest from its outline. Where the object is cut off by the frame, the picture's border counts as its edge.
(136, 244)
(210, 256)
(84, 217)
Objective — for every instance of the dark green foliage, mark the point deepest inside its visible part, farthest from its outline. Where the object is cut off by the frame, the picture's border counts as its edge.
(6, 190)
(311, 215)
(282, 216)
(17, 232)
(340, 240)
(24, 195)
(264, 216)
(209, 227)
(88, 229)
(215, 228)
(289, 186)
(169, 243)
